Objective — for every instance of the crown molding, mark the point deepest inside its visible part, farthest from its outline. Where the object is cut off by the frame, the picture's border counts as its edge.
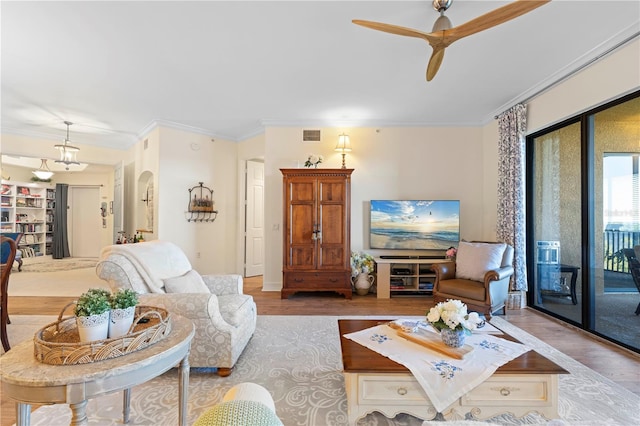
(624, 37)
(183, 127)
(364, 123)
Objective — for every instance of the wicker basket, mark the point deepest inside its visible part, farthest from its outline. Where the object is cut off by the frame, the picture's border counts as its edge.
(59, 342)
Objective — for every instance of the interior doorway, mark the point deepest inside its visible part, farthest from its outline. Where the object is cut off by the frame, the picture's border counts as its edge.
(84, 221)
(254, 219)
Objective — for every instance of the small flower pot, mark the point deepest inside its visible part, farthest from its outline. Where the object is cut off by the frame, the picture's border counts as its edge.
(453, 338)
(120, 321)
(93, 327)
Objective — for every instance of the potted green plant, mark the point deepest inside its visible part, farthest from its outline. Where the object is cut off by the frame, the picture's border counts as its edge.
(92, 312)
(123, 307)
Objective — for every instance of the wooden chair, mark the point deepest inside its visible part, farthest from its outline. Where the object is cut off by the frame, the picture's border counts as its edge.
(8, 248)
(634, 268)
(16, 236)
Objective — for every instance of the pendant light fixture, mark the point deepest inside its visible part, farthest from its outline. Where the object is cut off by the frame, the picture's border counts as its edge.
(43, 172)
(67, 152)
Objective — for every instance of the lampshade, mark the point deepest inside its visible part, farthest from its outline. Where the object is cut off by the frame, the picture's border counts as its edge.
(67, 152)
(344, 144)
(43, 172)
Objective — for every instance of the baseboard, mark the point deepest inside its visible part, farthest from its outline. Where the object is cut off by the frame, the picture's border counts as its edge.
(271, 286)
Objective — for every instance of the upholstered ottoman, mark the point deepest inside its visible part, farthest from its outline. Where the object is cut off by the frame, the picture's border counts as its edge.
(242, 405)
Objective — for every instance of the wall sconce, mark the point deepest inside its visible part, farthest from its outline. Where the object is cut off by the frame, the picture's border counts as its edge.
(343, 146)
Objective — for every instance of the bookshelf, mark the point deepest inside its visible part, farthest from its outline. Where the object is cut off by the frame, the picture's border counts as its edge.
(24, 207)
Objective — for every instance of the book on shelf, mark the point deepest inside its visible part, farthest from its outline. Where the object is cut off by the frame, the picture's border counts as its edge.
(425, 286)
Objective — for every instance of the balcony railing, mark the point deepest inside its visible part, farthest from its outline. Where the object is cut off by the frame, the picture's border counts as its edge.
(614, 242)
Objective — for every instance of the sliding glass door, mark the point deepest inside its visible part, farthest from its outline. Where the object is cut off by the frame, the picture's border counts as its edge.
(583, 220)
(557, 227)
(616, 146)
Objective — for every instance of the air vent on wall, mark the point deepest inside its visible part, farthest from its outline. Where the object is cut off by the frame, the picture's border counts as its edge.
(311, 136)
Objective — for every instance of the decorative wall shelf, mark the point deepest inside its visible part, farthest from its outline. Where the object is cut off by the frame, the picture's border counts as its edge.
(201, 205)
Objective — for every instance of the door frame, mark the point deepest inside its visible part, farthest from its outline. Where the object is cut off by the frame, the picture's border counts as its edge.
(242, 202)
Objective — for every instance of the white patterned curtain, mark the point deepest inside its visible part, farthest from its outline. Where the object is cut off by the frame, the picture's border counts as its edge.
(510, 227)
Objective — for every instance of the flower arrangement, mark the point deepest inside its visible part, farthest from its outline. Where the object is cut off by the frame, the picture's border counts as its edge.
(453, 314)
(361, 263)
(313, 160)
(451, 252)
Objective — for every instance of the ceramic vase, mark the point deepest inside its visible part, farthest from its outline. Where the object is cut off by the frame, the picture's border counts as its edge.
(453, 338)
(93, 327)
(120, 321)
(363, 283)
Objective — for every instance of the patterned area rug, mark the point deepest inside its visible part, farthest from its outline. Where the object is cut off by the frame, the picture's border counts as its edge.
(57, 265)
(298, 359)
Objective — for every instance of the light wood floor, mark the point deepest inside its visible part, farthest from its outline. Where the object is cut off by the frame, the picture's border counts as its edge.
(618, 364)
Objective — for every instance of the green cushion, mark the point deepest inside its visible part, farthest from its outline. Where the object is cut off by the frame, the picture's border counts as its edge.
(239, 413)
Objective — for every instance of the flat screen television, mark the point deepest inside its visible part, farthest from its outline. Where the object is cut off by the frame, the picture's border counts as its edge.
(414, 224)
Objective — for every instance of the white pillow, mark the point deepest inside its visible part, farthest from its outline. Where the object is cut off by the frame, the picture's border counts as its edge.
(473, 260)
(190, 282)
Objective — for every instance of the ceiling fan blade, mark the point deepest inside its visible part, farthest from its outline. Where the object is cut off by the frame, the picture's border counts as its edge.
(491, 19)
(393, 29)
(434, 62)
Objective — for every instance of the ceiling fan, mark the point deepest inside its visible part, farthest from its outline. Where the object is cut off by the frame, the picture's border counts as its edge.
(443, 34)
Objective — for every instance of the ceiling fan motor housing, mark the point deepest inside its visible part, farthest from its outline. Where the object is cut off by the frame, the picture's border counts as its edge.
(441, 5)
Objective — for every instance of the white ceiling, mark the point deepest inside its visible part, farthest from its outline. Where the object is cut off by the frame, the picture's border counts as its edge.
(227, 69)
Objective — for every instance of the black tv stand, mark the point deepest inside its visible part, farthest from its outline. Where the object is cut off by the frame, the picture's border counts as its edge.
(420, 256)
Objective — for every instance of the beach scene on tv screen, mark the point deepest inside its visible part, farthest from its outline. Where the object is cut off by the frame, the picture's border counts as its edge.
(415, 224)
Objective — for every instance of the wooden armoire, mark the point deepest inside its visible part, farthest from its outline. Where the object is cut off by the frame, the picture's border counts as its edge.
(317, 231)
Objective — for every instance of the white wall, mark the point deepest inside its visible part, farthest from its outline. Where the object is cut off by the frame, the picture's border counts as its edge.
(185, 159)
(389, 163)
(608, 79)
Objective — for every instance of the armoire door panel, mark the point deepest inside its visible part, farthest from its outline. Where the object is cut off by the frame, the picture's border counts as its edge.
(332, 224)
(302, 224)
(302, 257)
(331, 257)
(332, 191)
(304, 190)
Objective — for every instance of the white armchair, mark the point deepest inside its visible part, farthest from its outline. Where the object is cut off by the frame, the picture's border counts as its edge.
(160, 272)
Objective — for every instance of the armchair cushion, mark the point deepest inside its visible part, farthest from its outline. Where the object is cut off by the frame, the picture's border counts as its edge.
(473, 260)
(190, 282)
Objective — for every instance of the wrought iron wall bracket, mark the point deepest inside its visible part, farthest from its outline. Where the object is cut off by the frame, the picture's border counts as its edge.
(201, 206)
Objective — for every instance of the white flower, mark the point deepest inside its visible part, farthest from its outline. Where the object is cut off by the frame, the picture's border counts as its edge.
(313, 160)
(433, 315)
(452, 314)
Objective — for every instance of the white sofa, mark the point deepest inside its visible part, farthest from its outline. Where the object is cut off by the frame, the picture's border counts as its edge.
(160, 272)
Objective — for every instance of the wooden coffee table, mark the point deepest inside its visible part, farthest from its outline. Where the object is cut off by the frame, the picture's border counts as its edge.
(28, 381)
(376, 383)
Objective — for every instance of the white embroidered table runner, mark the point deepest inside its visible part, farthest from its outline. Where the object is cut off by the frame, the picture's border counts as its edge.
(444, 379)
